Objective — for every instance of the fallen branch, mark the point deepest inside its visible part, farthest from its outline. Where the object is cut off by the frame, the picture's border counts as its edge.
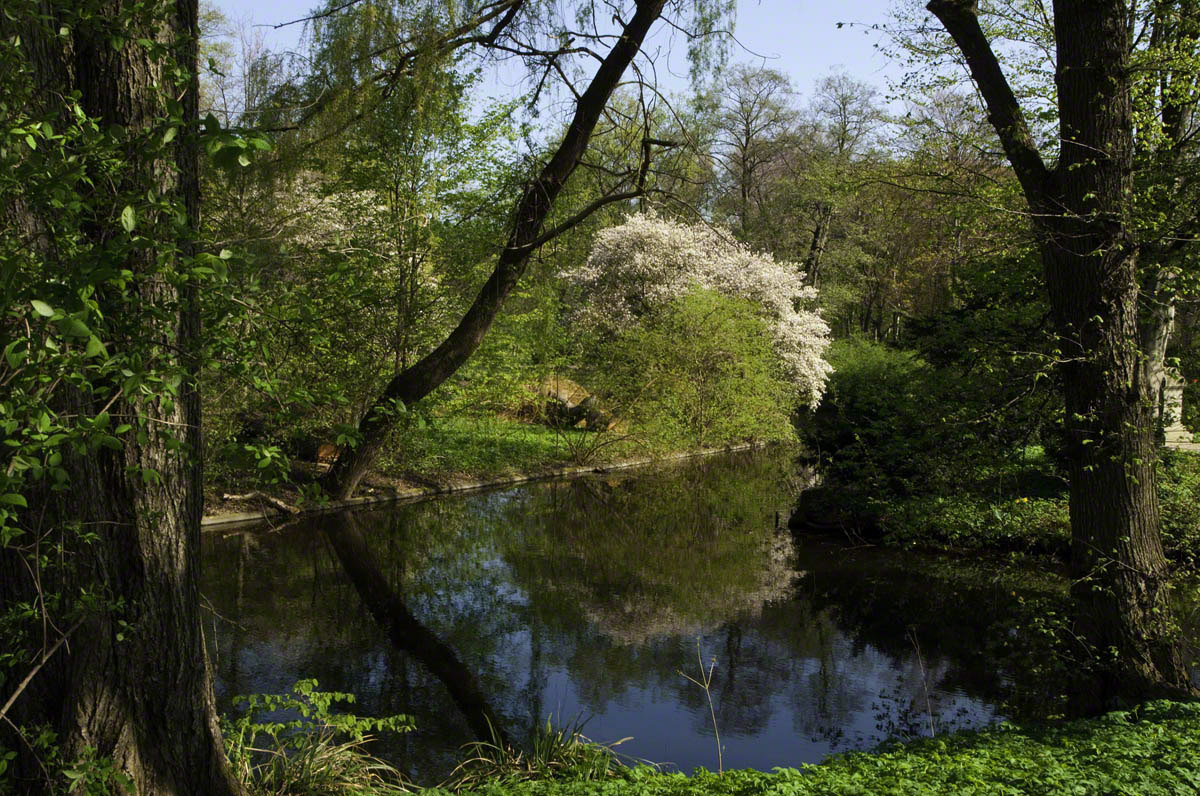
(286, 508)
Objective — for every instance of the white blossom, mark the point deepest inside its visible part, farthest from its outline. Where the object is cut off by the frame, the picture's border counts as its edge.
(647, 262)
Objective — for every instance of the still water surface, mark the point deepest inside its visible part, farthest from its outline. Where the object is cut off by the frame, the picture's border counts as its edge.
(586, 599)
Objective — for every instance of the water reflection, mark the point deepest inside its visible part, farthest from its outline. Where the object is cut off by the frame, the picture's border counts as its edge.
(588, 597)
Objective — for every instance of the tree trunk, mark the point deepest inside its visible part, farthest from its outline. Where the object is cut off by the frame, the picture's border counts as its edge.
(529, 216)
(1119, 572)
(816, 248)
(132, 682)
(1081, 213)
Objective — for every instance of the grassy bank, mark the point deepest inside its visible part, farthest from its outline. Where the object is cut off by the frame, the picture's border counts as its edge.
(1020, 506)
(1147, 751)
(450, 451)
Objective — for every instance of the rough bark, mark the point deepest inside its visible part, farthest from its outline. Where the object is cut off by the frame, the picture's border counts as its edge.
(133, 681)
(1080, 211)
(529, 216)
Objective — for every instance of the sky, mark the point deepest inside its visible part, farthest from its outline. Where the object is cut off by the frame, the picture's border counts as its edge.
(797, 37)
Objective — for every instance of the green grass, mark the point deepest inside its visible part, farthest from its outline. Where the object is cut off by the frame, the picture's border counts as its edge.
(1147, 752)
(493, 447)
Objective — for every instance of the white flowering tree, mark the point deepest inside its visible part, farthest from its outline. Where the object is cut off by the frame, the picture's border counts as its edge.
(646, 265)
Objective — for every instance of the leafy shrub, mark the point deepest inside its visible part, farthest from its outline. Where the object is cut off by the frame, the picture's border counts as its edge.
(881, 425)
(1179, 502)
(700, 371)
(319, 753)
(647, 263)
(913, 455)
(974, 522)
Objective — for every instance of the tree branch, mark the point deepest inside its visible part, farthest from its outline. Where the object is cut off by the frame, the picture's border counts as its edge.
(961, 20)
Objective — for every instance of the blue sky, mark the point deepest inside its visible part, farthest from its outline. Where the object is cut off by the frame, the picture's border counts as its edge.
(799, 38)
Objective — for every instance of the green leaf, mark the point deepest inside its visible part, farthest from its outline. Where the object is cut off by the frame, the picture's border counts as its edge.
(73, 327)
(13, 499)
(31, 141)
(94, 347)
(170, 134)
(42, 308)
(128, 220)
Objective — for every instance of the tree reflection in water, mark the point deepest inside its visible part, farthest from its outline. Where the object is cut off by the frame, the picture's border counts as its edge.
(586, 598)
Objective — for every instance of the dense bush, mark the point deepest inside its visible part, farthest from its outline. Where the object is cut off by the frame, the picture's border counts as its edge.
(700, 371)
(647, 264)
(1179, 502)
(884, 425)
(941, 451)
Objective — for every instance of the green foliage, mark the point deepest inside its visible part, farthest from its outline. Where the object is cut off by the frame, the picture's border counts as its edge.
(700, 372)
(89, 773)
(320, 752)
(479, 447)
(552, 753)
(977, 522)
(1179, 506)
(1147, 751)
(94, 775)
(878, 425)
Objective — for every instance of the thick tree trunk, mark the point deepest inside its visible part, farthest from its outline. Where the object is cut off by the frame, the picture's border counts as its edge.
(132, 682)
(1119, 572)
(1081, 212)
(530, 214)
(1117, 561)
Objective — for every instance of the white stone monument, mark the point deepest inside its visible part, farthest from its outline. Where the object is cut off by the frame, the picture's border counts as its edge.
(1172, 409)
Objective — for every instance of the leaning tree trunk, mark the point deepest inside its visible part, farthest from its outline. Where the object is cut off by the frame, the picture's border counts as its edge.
(1081, 213)
(132, 683)
(530, 214)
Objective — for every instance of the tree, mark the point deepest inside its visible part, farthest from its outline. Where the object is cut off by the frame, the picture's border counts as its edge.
(534, 205)
(101, 410)
(843, 123)
(1082, 215)
(639, 267)
(755, 118)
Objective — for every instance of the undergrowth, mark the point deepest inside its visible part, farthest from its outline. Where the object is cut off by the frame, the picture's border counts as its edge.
(1149, 752)
(312, 751)
(552, 753)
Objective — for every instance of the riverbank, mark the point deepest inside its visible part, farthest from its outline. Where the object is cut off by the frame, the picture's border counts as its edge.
(1150, 750)
(287, 502)
(1020, 508)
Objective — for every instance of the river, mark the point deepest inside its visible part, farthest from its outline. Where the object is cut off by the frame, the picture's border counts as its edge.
(595, 600)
